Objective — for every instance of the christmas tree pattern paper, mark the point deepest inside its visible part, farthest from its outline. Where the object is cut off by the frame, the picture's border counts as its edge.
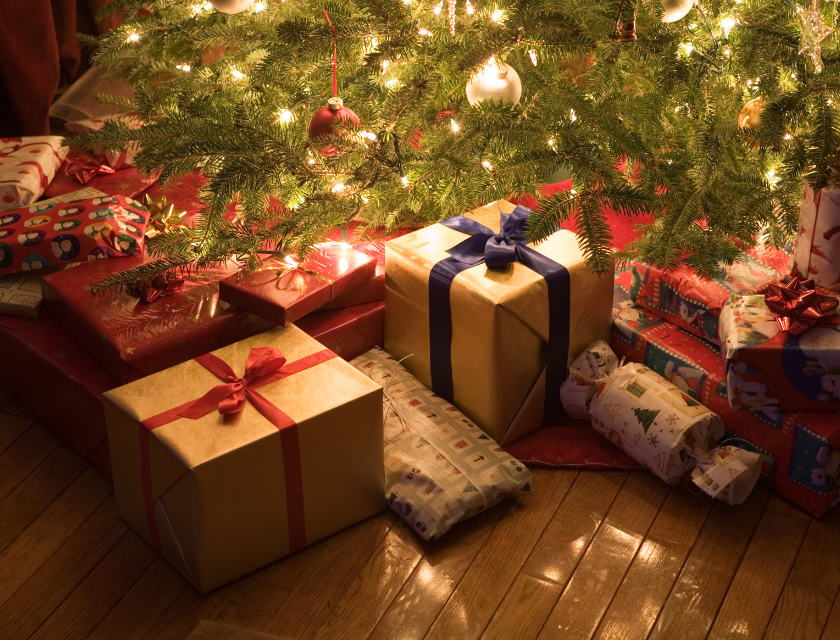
(440, 468)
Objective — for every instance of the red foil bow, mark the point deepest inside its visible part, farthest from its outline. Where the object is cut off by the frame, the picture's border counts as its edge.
(151, 291)
(797, 306)
(84, 166)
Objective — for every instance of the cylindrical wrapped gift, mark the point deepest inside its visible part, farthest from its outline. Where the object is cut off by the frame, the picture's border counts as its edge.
(816, 252)
(588, 369)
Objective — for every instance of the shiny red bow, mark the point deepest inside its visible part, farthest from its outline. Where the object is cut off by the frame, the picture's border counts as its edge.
(797, 306)
(151, 291)
(84, 166)
(262, 365)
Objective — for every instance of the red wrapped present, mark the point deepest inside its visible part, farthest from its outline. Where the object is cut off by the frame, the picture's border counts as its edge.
(693, 303)
(349, 332)
(131, 338)
(372, 289)
(801, 450)
(63, 231)
(783, 360)
(58, 381)
(283, 292)
(127, 182)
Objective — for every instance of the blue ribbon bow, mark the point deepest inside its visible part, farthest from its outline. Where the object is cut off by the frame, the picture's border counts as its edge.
(497, 251)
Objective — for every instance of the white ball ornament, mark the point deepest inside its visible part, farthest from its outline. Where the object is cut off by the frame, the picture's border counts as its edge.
(674, 10)
(494, 81)
(232, 6)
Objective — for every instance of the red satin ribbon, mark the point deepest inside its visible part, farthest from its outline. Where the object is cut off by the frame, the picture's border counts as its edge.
(151, 291)
(264, 366)
(797, 306)
(335, 53)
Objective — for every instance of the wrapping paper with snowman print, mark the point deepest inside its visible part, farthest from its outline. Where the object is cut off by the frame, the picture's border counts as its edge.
(66, 230)
(27, 166)
(771, 369)
(585, 374)
(693, 303)
(816, 250)
(671, 434)
(440, 468)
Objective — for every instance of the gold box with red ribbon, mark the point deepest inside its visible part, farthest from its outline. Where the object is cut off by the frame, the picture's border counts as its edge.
(234, 459)
(490, 321)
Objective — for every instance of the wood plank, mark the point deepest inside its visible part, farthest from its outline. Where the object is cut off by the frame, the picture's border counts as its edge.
(475, 599)
(832, 625)
(25, 454)
(37, 491)
(656, 566)
(762, 572)
(100, 591)
(689, 611)
(565, 539)
(367, 599)
(813, 583)
(51, 529)
(588, 593)
(524, 609)
(11, 428)
(143, 605)
(427, 590)
(16, 407)
(56, 579)
(6, 396)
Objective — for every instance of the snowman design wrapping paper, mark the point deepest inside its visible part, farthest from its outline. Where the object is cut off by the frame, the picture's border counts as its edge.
(57, 232)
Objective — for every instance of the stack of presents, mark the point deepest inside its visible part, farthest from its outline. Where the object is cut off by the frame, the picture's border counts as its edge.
(244, 415)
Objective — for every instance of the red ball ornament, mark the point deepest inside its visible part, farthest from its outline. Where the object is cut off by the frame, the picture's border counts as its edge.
(321, 123)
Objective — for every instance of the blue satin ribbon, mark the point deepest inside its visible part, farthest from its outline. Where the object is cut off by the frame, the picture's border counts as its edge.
(497, 251)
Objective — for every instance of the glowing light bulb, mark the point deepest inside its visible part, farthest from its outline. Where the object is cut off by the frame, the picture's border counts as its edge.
(573, 191)
(497, 15)
(133, 37)
(290, 261)
(311, 161)
(685, 48)
(533, 55)
(454, 125)
(393, 82)
(259, 6)
(284, 116)
(552, 143)
(338, 187)
(424, 32)
(727, 24)
(404, 180)
(365, 199)
(406, 1)
(772, 178)
(788, 136)
(369, 135)
(486, 165)
(438, 9)
(385, 65)
(236, 73)
(183, 67)
(469, 8)
(374, 42)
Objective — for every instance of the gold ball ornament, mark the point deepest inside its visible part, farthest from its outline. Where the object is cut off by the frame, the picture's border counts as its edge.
(494, 81)
(231, 6)
(750, 116)
(673, 10)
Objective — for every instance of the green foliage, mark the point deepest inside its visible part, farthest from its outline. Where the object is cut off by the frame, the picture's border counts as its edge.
(649, 128)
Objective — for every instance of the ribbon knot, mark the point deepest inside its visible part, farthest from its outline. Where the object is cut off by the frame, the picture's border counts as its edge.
(797, 306)
(496, 250)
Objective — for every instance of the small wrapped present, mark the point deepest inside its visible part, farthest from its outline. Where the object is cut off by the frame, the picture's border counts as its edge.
(372, 289)
(350, 331)
(816, 252)
(491, 320)
(693, 303)
(440, 468)
(800, 451)
(241, 456)
(115, 159)
(59, 382)
(128, 182)
(282, 292)
(779, 361)
(27, 166)
(61, 231)
(671, 433)
(131, 338)
(585, 374)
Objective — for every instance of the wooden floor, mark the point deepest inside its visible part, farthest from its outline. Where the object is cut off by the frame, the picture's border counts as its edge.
(590, 555)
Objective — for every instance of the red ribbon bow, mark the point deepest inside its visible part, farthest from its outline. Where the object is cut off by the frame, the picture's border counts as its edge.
(797, 306)
(84, 167)
(151, 291)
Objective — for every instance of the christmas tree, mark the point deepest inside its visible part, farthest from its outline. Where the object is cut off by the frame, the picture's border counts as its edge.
(706, 116)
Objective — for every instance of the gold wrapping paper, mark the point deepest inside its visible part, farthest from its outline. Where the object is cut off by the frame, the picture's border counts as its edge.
(218, 483)
(499, 322)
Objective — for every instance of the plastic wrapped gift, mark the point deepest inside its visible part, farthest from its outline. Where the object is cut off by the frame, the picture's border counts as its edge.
(693, 303)
(440, 468)
(491, 320)
(282, 292)
(27, 166)
(241, 456)
(671, 433)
